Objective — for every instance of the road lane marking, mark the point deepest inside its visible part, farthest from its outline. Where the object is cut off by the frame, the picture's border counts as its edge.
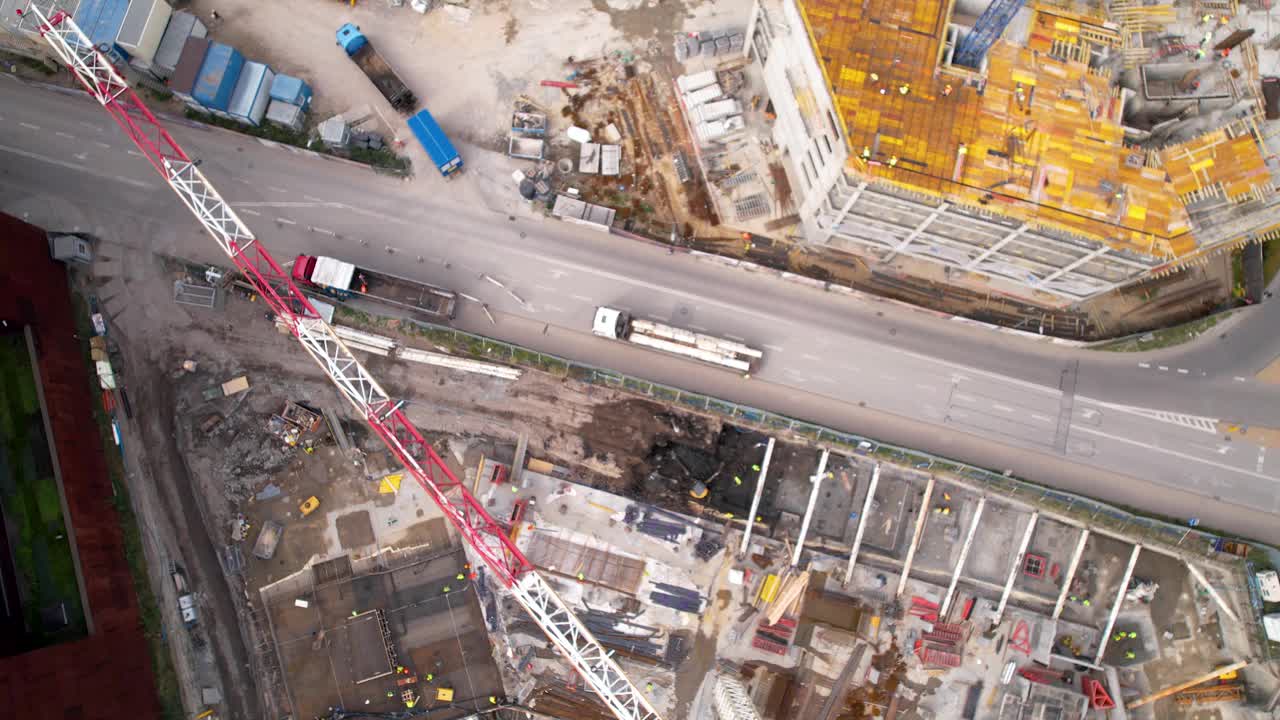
(544, 288)
(1164, 368)
(251, 212)
(59, 133)
(311, 198)
(1041, 418)
(773, 348)
(964, 398)
(1144, 365)
(1183, 371)
(1262, 457)
(583, 298)
(1173, 453)
(135, 153)
(273, 188)
(1001, 408)
(89, 125)
(286, 221)
(101, 144)
(74, 166)
(1240, 379)
(29, 126)
(322, 231)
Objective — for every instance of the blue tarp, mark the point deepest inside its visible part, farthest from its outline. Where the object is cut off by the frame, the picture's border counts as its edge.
(101, 19)
(292, 90)
(218, 76)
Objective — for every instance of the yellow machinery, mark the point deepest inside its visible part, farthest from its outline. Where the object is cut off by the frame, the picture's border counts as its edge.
(309, 505)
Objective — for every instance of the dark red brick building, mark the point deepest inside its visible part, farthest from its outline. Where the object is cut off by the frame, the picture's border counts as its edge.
(108, 674)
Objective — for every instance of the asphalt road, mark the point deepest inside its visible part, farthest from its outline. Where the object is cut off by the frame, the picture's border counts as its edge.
(1134, 429)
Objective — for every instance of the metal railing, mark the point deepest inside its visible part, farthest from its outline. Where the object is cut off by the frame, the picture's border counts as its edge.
(1096, 514)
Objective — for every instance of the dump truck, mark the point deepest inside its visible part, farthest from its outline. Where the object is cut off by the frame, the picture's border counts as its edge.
(343, 280)
(361, 51)
(619, 325)
(436, 143)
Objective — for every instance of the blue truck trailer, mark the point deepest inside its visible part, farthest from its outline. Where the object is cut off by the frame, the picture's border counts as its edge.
(436, 143)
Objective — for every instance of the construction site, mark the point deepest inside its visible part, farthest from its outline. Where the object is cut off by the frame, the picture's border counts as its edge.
(715, 561)
(409, 528)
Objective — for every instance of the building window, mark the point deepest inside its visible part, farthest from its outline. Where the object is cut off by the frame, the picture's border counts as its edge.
(827, 141)
(835, 126)
(821, 160)
(808, 179)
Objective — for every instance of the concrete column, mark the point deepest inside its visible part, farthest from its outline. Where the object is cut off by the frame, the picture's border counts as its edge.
(915, 537)
(1013, 569)
(964, 555)
(755, 501)
(1071, 573)
(816, 480)
(862, 523)
(1115, 606)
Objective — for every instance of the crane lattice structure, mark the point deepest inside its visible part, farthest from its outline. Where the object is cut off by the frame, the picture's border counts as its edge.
(384, 414)
(986, 31)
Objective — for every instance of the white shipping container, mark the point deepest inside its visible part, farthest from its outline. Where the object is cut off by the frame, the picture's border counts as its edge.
(285, 115)
(252, 93)
(696, 81)
(182, 25)
(143, 28)
(717, 110)
(702, 96)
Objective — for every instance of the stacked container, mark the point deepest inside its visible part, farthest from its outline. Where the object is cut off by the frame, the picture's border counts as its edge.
(285, 115)
(218, 78)
(142, 28)
(182, 25)
(253, 92)
(183, 80)
(292, 90)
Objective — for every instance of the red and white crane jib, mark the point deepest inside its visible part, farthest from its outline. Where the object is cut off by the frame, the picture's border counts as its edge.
(485, 536)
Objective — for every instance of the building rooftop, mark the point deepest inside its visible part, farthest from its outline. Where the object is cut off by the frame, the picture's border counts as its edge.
(1038, 136)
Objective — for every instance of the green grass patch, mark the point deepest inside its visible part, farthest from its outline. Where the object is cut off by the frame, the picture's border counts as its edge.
(42, 550)
(1168, 337)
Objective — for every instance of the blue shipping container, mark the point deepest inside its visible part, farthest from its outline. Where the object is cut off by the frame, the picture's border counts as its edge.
(292, 90)
(100, 20)
(437, 144)
(217, 80)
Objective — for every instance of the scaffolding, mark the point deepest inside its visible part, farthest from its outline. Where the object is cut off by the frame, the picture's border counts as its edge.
(732, 701)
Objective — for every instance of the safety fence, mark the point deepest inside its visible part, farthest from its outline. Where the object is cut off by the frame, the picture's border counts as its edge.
(1096, 514)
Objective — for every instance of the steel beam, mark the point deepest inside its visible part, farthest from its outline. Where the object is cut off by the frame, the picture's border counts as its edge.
(862, 523)
(964, 555)
(919, 230)
(1103, 250)
(915, 537)
(1115, 606)
(755, 500)
(1071, 573)
(816, 481)
(1013, 569)
(1017, 233)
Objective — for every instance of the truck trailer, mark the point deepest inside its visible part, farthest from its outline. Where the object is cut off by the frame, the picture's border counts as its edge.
(343, 280)
(361, 51)
(436, 143)
(619, 325)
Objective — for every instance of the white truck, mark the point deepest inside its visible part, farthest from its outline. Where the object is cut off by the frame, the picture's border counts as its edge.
(619, 325)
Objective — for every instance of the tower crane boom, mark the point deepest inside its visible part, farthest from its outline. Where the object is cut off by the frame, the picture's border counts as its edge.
(384, 414)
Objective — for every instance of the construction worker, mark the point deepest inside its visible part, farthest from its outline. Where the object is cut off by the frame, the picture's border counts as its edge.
(447, 589)
(648, 687)
(904, 89)
(756, 468)
(1133, 635)
(493, 699)
(893, 161)
(1117, 637)
(1085, 602)
(582, 578)
(737, 480)
(875, 77)
(946, 90)
(430, 677)
(460, 577)
(1130, 655)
